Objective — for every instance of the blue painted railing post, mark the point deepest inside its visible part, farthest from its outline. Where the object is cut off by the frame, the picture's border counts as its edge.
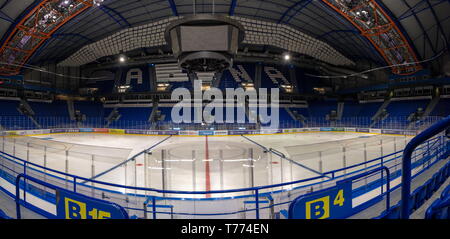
(257, 203)
(18, 214)
(74, 184)
(25, 182)
(154, 207)
(406, 164)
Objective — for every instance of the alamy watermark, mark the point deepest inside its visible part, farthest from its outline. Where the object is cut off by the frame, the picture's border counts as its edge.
(231, 108)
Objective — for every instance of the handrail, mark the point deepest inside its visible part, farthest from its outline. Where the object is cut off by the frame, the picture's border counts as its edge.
(406, 164)
(388, 181)
(281, 155)
(437, 139)
(48, 185)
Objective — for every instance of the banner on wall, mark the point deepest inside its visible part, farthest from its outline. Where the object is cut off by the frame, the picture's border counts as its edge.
(168, 132)
(375, 131)
(290, 130)
(70, 205)
(221, 132)
(410, 132)
(350, 129)
(331, 203)
(363, 130)
(205, 132)
(11, 133)
(326, 129)
(271, 131)
(240, 132)
(72, 130)
(86, 130)
(339, 129)
(392, 131)
(55, 131)
(188, 133)
(101, 130)
(134, 131)
(117, 131)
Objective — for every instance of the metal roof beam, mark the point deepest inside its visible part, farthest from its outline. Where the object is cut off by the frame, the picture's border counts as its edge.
(6, 17)
(232, 7)
(425, 33)
(61, 35)
(173, 6)
(301, 4)
(108, 11)
(438, 24)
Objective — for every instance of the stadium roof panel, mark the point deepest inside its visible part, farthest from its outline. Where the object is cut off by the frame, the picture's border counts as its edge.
(425, 23)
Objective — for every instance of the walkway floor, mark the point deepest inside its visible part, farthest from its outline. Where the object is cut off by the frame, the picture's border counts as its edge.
(8, 206)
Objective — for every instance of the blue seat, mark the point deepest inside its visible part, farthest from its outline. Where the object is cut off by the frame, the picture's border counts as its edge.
(392, 213)
(412, 199)
(421, 193)
(447, 171)
(3, 215)
(446, 192)
(436, 185)
(439, 209)
(430, 187)
(442, 176)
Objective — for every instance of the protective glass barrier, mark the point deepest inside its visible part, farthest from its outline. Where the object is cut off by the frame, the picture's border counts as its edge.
(340, 154)
(256, 202)
(82, 160)
(23, 123)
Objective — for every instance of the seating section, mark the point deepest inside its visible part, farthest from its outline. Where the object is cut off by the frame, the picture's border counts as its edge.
(319, 109)
(302, 111)
(90, 109)
(354, 113)
(405, 107)
(11, 118)
(54, 109)
(439, 209)
(355, 109)
(9, 108)
(132, 118)
(442, 108)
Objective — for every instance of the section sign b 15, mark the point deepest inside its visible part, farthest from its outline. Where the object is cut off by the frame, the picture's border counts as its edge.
(70, 205)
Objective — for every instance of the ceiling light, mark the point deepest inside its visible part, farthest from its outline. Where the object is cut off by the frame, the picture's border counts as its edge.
(122, 59)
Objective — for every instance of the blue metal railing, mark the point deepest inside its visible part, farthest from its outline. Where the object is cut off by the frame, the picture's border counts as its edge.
(47, 185)
(406, 165)
(255, 189)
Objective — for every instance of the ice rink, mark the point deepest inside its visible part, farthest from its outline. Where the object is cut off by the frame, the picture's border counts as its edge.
(201, 163)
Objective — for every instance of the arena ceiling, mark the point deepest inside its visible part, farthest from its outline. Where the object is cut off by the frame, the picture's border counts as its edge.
(425, 23)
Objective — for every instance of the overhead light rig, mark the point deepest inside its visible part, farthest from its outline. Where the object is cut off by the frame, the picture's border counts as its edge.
(378, 27)
(35, 28)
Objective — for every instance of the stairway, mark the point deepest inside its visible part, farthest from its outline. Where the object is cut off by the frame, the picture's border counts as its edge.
(153, 119)
(71, 109)
(340, 110)
(431, 105)
(382, 107)
(30, 112)
(289, 111)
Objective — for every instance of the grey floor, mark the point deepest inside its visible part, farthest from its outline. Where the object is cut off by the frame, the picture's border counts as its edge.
(8, 206)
